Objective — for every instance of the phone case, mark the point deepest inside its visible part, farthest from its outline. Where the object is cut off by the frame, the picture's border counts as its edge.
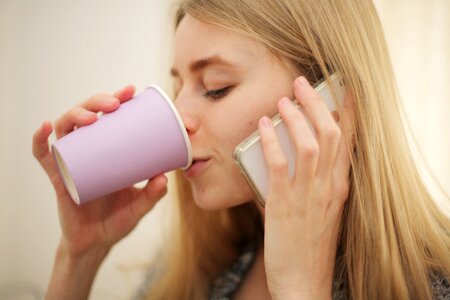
(249, 156)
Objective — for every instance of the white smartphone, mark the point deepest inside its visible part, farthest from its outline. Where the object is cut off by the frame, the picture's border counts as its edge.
(249, 156)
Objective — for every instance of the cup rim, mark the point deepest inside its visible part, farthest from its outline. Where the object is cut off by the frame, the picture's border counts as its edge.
(66, 175)
(180, 122)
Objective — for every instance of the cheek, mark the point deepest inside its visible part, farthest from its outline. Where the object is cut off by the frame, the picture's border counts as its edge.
(235, 120)
(243, 128)
(232, 127)
(242, 123)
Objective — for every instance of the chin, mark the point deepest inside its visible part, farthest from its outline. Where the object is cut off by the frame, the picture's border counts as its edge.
(215, 200)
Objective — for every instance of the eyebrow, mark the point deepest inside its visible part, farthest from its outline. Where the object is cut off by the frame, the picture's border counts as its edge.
(201, 64)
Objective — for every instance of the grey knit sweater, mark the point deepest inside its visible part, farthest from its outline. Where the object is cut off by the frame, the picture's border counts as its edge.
(226, 285)
(228, 282)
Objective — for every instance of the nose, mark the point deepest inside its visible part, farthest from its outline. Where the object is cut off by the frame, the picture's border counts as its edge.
(191, 124)
(189, 114)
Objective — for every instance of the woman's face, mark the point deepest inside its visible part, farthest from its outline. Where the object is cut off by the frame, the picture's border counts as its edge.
(225, 82)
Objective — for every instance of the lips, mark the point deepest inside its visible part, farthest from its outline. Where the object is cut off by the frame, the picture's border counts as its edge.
(198, 164)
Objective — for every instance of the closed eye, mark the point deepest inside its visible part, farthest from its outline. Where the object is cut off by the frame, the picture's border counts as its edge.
(217, 94)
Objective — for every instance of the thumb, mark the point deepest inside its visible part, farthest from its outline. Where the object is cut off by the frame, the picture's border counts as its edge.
(155, 189)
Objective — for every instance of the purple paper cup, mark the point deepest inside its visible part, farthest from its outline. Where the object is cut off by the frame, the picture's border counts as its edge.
(144, 137)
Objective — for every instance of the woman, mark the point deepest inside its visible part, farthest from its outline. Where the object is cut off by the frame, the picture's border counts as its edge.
(355, 220)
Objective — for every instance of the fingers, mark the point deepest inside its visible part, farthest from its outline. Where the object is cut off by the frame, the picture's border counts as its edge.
(327, 131)
(40, 140)
(276, 161)
(125, 93)
(154, 190)
(86, 112)
(41, 150)
(305, 143)
(101, 102)
(77, 116)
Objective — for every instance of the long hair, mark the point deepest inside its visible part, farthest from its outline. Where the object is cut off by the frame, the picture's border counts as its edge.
(392, 236)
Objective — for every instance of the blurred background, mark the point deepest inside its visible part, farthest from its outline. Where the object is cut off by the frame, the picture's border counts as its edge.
(57, 53)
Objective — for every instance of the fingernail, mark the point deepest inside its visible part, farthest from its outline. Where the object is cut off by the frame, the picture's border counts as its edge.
(302, 81)
(266, 122)
(162, 179)
(285, 101)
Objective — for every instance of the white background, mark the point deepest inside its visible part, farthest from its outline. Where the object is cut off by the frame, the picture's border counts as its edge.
(55, 54)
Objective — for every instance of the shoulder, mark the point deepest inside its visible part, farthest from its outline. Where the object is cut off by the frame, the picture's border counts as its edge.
(440, 285)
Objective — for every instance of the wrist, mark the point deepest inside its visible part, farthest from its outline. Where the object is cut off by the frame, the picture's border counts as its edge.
(304, 295)
(305, 291)
(310, 295)
(73, 274)
(93, 255)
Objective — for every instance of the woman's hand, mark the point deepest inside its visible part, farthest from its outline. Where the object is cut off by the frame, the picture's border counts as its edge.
(100, 223)
(303, 213)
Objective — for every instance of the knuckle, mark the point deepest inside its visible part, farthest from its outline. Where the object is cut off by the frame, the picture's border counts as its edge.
(163, 193)
(79, 115)
(94, 100)
(99, 97)
(77, 110)
(332, 134)
(58, 125)
(71, 113)
(310, 150)
(279, 165)
(35, 138)
(35, 154)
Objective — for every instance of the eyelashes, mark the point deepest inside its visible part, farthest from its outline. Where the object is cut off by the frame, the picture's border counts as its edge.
(217, 94)
(213, 95)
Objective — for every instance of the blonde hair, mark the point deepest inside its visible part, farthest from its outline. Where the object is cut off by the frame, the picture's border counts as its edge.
(393, 236)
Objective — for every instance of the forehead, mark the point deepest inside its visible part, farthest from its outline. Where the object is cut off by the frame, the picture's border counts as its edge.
(195, 40)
